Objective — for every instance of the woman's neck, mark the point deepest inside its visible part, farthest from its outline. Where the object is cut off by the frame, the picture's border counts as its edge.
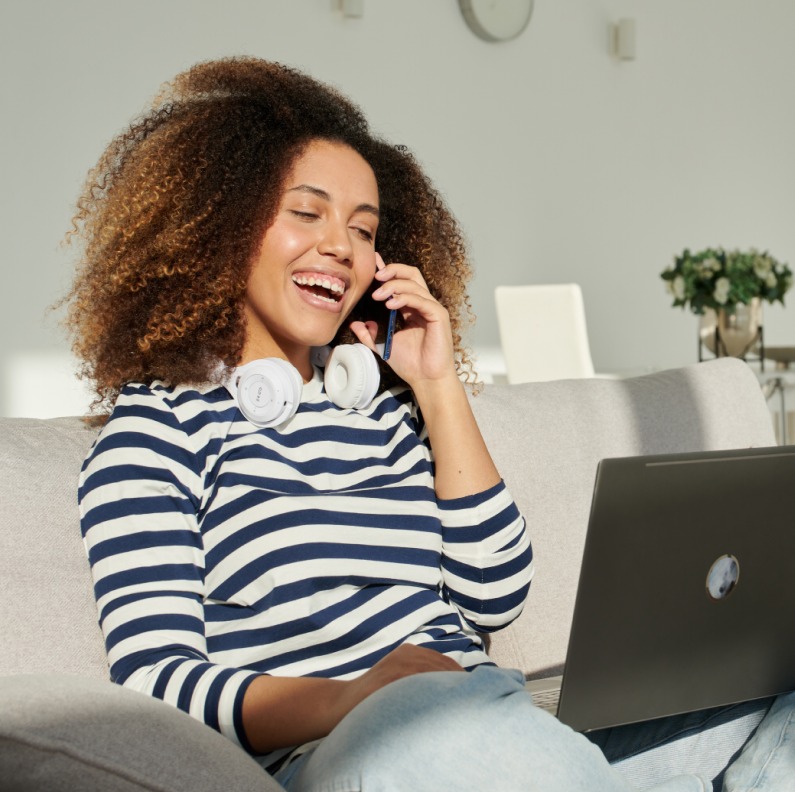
(298, 356)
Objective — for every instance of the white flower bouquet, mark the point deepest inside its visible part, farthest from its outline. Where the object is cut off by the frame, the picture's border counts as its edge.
(719, 279)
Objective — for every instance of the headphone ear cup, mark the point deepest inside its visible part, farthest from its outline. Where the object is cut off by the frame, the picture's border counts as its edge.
(268, 391)
(351, 378)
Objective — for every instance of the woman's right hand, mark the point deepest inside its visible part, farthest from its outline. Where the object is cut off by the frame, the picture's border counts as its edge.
(404, 661)
(279, 712)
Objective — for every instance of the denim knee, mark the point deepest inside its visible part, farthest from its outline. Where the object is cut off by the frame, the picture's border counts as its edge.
(768, 760)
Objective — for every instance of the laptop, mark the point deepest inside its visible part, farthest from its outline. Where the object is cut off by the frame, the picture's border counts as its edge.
(685, 599)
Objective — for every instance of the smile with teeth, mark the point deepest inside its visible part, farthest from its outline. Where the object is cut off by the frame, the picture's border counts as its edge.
(325, 287)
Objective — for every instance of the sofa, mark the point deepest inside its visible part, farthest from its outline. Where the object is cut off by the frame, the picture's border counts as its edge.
(64, 726)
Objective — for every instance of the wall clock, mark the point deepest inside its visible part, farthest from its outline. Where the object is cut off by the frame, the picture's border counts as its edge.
(496, 20)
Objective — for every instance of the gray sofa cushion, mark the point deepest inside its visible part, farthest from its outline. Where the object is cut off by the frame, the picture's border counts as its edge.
(47, 608)
(64, 733)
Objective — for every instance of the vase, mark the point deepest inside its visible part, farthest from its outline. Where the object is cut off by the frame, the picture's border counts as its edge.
(732, 333)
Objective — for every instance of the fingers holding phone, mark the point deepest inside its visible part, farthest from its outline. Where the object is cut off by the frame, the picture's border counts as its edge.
(423, 347)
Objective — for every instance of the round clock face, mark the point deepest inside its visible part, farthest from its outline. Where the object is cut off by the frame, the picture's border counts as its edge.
(496, 20)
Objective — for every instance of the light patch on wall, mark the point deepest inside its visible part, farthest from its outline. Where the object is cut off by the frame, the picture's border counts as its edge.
(42, 385)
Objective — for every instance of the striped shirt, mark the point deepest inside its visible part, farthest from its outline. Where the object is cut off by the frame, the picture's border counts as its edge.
(220, 551)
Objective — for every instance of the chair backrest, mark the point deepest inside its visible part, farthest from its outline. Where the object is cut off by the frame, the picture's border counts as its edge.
(543, 332)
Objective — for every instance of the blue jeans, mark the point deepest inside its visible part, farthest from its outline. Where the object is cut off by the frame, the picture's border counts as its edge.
(479, 730)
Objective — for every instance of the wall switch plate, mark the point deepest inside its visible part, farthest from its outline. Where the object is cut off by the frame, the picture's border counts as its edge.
(624, 39)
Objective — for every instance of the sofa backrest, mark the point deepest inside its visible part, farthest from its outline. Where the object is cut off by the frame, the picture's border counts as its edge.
(545, 437)
(48, 616)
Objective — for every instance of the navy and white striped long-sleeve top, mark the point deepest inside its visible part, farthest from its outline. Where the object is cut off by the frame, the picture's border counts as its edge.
(220, 551)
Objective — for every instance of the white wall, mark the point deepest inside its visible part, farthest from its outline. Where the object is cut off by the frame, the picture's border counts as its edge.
(562, 163)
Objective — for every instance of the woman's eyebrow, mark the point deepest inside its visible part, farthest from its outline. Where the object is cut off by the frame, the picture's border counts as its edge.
(324, 195)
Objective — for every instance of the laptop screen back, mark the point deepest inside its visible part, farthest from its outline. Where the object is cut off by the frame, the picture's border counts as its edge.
(685, 599)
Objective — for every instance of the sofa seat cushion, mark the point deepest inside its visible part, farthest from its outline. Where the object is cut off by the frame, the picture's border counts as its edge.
(62, 733)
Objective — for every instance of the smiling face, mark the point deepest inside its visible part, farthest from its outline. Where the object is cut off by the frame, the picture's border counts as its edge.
(316, 259)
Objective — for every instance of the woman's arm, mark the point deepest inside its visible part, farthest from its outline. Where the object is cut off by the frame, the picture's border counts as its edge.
(423, 356)
(140, 492)
(487, 557)
(463, 465)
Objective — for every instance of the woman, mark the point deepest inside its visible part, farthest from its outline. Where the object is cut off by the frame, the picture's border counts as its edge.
(278, 548)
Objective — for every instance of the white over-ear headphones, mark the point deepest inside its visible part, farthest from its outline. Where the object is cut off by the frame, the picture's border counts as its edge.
(268, 391)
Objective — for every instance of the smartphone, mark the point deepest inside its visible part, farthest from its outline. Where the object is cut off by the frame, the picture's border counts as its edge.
(390, 330)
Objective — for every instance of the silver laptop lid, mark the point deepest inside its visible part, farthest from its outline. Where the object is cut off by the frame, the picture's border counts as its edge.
(685, 598)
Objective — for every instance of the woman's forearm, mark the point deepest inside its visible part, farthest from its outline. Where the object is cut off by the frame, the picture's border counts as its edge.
(279, 712)
(462, 461)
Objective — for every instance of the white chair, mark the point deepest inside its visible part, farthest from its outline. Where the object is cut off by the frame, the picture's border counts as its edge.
(543, 332)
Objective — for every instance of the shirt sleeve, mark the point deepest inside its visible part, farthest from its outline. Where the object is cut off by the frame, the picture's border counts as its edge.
(487, 561)
(139, 496)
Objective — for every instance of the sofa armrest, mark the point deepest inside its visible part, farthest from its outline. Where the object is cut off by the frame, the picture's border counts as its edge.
(60, 732)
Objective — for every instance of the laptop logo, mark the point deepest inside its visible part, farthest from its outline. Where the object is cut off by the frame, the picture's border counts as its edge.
(722, 577)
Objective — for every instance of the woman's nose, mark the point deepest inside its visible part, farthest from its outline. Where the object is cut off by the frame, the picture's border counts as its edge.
(336, 241)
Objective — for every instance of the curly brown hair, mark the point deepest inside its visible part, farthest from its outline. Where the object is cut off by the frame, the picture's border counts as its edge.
(173, 214)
